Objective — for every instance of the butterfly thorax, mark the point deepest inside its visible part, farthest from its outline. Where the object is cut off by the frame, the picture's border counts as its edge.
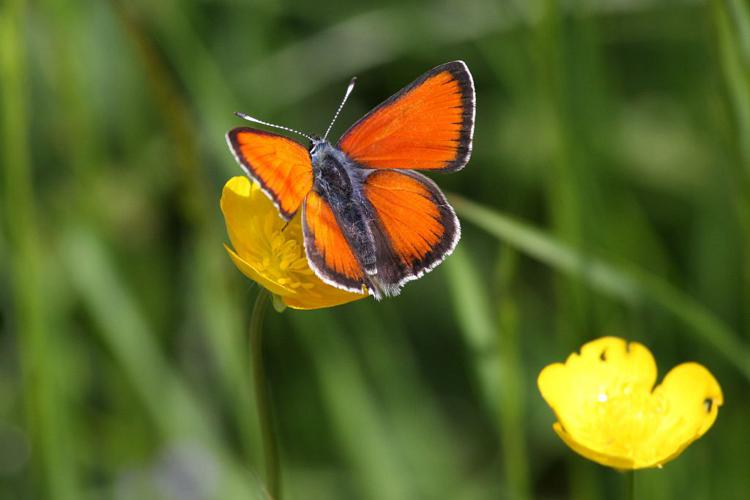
(331, 175)
(338, 180)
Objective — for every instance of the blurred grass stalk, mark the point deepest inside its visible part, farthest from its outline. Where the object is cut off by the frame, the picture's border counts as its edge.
(566, 53)
(425, 438)
(167, 41)
(492, 340)
(362, 434)
(45, 405)
(205, 263)
(513, 414)
(732, 26)
(177, 413)
(732, 22)
(387, 422)
(564, 183)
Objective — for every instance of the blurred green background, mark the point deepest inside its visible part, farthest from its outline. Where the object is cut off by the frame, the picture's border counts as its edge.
(608, 194)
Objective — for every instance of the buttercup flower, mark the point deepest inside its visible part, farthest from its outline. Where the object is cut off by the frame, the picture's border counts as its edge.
(609, 411)
(269, 253)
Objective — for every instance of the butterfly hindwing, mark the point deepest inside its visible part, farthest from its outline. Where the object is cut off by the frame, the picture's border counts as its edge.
(280, 165)
(328, 251)
(418, 224)
(428, 125)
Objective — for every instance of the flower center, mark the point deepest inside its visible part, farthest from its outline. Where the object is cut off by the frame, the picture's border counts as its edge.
(624, 417)
(280, 253)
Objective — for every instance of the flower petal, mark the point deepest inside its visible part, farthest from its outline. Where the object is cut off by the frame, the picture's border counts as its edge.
(615, 358)
(241, 203)
(324, 299)
(609, 460)
(694, 393)
(693, 397)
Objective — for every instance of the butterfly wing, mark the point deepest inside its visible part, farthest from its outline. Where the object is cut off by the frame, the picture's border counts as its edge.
(328, 251)
(427, 125)
(280, 165)
(416, 222)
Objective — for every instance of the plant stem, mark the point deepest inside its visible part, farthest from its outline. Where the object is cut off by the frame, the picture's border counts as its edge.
(629, 485)
(270, 448)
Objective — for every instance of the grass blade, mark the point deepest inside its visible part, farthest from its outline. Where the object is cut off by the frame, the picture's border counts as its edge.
(46, 411)
(628, 284)
(175, 412)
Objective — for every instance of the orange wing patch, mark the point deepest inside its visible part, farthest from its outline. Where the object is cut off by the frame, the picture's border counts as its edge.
(281, 166)
(417, 220)
(426, 126)
(327, 249)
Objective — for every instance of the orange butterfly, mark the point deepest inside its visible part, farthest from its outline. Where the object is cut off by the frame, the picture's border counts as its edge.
(369, 220)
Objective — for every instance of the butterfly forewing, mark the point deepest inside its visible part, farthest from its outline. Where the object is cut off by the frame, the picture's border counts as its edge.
(428, 125)
(280, 165)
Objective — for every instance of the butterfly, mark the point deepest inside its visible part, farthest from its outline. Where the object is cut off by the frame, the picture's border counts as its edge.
(370, 222)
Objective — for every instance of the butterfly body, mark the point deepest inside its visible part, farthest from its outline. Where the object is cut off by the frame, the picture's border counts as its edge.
(370, 221)
(339, 181)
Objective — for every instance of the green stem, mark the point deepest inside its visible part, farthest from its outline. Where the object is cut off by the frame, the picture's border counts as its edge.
(270, 447)
(629, 485)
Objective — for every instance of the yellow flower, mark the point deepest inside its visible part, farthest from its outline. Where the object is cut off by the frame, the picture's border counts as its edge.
(270, 254)
(609, 411)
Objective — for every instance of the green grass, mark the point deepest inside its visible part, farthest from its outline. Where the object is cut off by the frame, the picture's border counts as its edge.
(608, 193)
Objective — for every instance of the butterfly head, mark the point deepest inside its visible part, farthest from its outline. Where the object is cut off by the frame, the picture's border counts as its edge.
(315, 143)
(319, 149)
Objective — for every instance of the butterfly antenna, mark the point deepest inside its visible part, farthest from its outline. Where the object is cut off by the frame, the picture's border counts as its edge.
(255, 120)
(349, 89)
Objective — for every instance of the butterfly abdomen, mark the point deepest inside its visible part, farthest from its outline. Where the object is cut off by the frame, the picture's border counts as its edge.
(340, 184)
